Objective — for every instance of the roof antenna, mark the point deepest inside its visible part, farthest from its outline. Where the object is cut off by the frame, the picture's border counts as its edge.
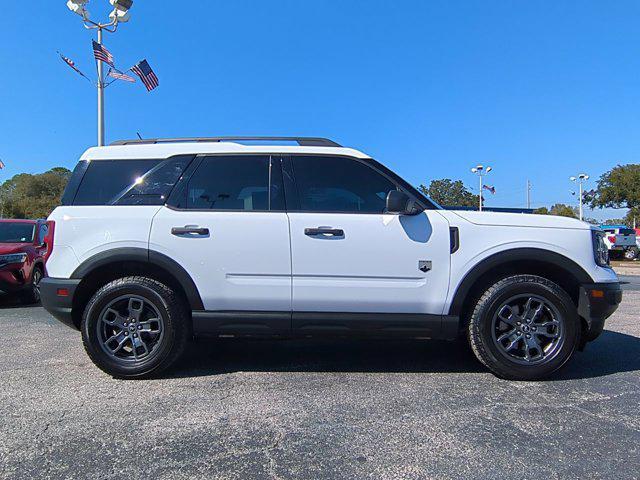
(138, 133)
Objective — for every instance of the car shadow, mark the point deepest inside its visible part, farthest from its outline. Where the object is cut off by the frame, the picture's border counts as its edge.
(612, 353)
(12, 300)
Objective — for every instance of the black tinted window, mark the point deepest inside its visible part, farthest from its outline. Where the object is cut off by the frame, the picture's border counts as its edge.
(105, 180)
(74, 182)
(336, 184)
(154, 186)
(16, 232)
(235, 183)
(627, 231)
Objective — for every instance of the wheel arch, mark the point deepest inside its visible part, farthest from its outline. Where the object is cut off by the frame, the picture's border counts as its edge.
(109, 265)
(536, 261)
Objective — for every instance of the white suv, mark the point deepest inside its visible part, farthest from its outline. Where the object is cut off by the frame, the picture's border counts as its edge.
(160, 240)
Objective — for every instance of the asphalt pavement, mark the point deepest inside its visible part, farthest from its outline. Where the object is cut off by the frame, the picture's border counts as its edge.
(630, 282)
(315, 409)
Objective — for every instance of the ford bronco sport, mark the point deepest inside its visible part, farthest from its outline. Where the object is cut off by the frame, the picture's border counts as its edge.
(157, 241)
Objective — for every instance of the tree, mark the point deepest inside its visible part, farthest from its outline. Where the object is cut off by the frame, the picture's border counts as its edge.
(449, 193)
(33, 196)
(541, 211)
(632, 218)
(614, 221)
(618, 188)
(563, 210)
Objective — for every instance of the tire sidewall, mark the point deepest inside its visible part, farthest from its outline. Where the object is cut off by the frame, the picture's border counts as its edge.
(561, 302)
(90, 325)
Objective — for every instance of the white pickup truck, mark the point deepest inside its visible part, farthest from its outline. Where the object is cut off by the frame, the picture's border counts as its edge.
(622, 241)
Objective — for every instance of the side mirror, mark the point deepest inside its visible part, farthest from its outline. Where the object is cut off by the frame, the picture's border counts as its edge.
(401, 203)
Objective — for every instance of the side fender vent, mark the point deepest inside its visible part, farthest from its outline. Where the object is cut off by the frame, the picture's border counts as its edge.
(454, 239)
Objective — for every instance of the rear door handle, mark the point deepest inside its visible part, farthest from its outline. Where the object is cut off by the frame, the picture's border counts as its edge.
(332, 232)
(199, 231)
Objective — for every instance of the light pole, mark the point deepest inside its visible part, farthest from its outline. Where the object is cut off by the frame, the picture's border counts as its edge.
(581, 179)
(481, 171)
(120, 14)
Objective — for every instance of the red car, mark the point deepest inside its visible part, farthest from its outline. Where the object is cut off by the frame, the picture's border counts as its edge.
(25, 246)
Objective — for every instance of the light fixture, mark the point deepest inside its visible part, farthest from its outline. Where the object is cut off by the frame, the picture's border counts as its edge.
(120, 11)
(78, 7)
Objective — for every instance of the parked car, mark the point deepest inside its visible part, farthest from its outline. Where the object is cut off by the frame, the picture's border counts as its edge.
(24, 247)
(160, 240)
(621, 240)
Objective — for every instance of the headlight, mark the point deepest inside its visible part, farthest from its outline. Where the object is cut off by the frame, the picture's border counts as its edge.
(600, 250)
(13, 258)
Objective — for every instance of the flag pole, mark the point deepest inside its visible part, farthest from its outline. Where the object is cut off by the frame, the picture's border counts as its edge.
(100, 96)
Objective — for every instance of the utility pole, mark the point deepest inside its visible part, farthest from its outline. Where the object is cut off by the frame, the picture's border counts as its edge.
(120, 14)
(481, 171)
(580, 179)
(528, 194)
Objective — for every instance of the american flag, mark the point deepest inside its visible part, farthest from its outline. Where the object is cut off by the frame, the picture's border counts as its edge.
(148, 77)
(1, 165)
(72, 64)
(490, 188)
(120, 76)
(102, 54)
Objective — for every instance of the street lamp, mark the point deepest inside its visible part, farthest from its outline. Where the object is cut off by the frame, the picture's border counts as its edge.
(580, 179)
(481, 171)
(120, 10)
(119, 14)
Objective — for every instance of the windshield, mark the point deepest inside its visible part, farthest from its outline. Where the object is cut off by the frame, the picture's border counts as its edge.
(16, 232)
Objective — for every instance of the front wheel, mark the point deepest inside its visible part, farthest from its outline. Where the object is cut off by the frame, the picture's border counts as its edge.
(524, 327)
(135, 327)
(631, 253)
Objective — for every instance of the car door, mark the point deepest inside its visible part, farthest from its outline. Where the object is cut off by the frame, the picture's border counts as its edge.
(225, 224)
(348, 255)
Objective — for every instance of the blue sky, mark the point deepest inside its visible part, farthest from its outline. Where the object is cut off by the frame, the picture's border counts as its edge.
(537, 89)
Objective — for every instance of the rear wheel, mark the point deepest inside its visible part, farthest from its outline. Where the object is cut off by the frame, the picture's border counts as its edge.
(135, 327)
(524, 327)
(631, 253)
(32, 294)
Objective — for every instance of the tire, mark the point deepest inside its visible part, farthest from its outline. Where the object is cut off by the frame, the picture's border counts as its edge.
(135, 327)
(631, 253)
(502, 334)
(32, 294)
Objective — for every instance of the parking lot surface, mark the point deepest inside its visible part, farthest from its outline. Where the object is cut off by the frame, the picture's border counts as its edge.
(315, 409)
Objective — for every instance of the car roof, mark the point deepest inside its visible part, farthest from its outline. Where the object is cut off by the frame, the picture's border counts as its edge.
(159, 148)
(18, 220)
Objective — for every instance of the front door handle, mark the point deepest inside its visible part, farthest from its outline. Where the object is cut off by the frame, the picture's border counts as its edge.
(332, 232)
(188, 230)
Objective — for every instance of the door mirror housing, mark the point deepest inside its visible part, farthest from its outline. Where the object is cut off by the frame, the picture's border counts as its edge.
(401, 203)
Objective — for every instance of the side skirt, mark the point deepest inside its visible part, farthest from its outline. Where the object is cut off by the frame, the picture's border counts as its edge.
(314, 324)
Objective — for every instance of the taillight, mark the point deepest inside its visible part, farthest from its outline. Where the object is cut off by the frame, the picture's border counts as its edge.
(48, 239)
(612, 238)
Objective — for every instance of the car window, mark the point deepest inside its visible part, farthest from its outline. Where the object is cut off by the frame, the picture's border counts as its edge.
(238, 182)
(105, 180)
(627, 231)
(17, 232)
(43, 232)
(339, 184)
(154, 187)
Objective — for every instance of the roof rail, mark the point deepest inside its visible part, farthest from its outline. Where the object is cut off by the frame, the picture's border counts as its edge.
(302, 141)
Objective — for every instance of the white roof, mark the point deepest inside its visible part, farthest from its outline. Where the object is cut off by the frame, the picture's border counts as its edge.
(164, 150)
